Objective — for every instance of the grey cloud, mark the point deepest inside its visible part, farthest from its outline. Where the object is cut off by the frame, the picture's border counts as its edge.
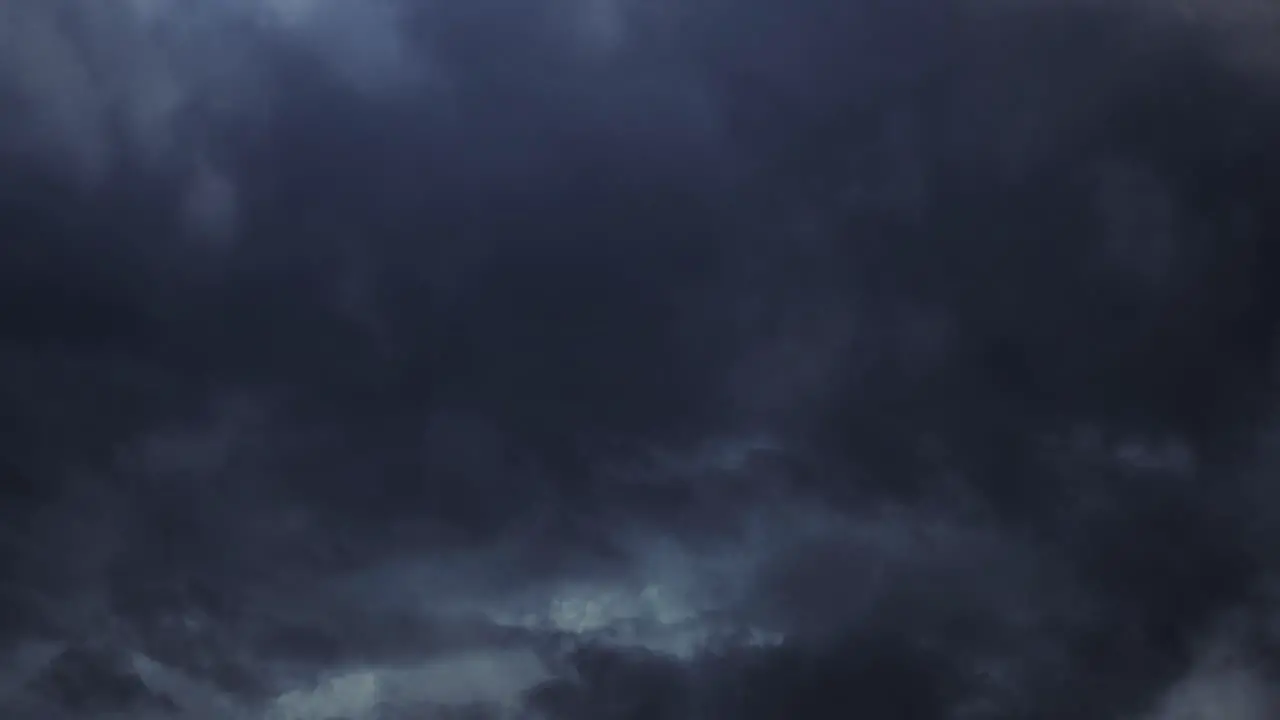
(144, 76)
(620, 359)
(94, 87)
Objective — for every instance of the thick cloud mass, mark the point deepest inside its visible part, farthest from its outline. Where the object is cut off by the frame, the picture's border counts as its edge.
(654, 360)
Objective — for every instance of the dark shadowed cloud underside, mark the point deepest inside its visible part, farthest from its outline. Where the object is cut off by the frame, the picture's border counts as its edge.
(652, 360)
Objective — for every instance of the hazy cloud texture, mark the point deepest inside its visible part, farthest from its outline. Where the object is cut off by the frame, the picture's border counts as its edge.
(609, 359)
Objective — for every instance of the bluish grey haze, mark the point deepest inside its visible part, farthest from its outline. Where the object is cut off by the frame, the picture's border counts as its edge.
(658, 360)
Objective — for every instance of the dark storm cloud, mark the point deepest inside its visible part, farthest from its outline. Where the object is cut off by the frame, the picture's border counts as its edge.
(612, 360)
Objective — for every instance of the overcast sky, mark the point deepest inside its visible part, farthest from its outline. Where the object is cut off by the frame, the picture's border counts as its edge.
(637, 359)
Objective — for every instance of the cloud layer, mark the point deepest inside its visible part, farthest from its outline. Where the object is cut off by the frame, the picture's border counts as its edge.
(602, 359)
